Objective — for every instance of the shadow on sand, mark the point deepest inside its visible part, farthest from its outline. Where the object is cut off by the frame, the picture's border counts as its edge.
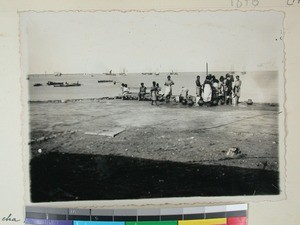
(67, 177)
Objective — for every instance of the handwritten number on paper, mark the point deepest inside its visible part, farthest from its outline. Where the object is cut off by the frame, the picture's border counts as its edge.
(255, 2)
(241, 3)
(292, 2)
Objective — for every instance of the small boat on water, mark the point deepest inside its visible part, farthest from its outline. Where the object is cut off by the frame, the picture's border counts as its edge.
(54, 83)
(68, 85)
(110, 73)
(57, 74)
(37, 85)
(147, 73)
(173, 73)
(105, 81)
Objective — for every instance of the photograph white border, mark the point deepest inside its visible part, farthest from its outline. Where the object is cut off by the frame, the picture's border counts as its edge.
(178, 201)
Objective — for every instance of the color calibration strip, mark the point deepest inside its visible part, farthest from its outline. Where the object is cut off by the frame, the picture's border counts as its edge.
(208, 215)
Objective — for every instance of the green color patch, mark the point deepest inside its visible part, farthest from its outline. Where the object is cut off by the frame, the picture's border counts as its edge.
(152, 223)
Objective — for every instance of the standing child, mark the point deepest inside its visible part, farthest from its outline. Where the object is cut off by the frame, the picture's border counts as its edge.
(159, 95)
(125, 92)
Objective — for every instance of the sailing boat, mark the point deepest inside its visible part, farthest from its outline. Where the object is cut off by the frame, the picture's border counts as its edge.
(244, 71)
(57, 74)
(123, 73)
(232, 70)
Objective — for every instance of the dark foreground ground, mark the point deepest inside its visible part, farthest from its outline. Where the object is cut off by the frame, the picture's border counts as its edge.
(164, 151)
(58, 176)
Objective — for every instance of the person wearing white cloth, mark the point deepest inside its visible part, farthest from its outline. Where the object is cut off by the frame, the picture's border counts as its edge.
(207, 91)
(168, 91)
(183, 96)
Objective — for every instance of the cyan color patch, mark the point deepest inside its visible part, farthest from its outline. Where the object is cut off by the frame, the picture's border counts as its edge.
(60, 222)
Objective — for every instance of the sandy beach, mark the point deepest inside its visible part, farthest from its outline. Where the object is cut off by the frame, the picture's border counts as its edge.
(165, 135)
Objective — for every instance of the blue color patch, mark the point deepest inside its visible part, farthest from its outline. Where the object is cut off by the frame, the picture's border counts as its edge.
(36, 221)
(97, 223)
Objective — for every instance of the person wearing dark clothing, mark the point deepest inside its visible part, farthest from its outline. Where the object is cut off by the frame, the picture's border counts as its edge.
(198, 87)
(142, 92)
(228, 84)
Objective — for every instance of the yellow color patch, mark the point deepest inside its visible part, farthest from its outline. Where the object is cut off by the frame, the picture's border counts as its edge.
(219, 221)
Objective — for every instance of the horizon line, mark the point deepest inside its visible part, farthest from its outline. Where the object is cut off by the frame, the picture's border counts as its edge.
(94, 73)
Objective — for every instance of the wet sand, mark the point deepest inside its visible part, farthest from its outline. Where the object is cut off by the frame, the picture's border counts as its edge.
(164, 151)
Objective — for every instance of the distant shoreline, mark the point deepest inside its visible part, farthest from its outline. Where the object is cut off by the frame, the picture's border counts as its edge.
(260, 87)
(120, 99)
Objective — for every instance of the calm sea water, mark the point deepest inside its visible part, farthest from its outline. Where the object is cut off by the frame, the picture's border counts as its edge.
(258, 86)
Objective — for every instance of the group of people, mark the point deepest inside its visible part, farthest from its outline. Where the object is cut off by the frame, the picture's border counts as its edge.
(156, 92)
(225, 90)
(213, 91)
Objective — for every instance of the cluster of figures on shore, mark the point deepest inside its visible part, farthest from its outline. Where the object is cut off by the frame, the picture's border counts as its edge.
(225, 90)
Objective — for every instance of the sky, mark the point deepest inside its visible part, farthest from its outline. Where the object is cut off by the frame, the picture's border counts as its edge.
(96, 42)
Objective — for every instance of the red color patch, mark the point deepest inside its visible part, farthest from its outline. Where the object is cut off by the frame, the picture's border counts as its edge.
(237, 220)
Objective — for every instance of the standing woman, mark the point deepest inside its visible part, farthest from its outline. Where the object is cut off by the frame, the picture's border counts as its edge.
(222, 91)
(153, 92)
(228, 84)
(168, 92)
(215, 91)
(237, 89)
(198, 87)
(207, 91)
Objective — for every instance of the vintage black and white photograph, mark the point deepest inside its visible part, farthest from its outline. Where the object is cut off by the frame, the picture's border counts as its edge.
(147, 105)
